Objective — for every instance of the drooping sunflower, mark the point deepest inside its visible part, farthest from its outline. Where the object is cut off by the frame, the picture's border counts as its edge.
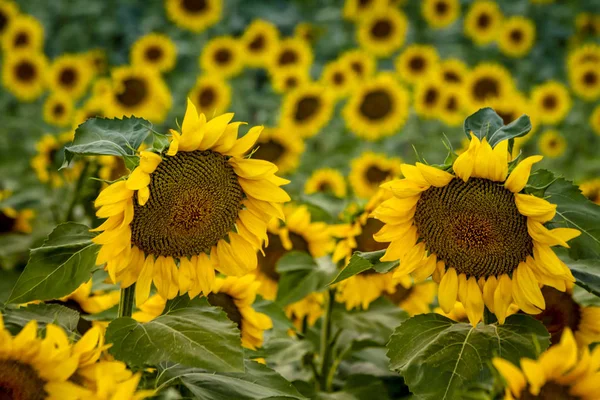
(516, 36)
(591, 190)
(453, 72)
(428, 98)
(308, 309)
(326, 180)
(453, 106)
(552, 102)
(279, 148)
(440, 13)
(180, 215)
(137, 90)
(595, 120)
(15, 221)
(194, 15)
(306, 110)
(552, 144)
(377, 108)
(417, 62)
(355, 10)
(287, 79)
(211, 94)
(486, 82)
(483, 21)
(58, 109)
(259, 41)
(222, 56)
(235, 296)
(415, 298)
(362, 63)
(338, 77)
(298, 233)
(154, 50)
(382, 31)
(23, 74)
(291, 53)
(585, 80)
(23, 33)
(561, 372)
(8, 12)
(484, 239)
(370, 170)
(71, 74)
(49, 158)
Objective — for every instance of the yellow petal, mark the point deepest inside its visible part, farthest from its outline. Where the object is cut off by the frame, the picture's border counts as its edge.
(138, 179)
(489, 288)
(412, 173)
(143, 195)
(520, 298)
(251, 168)
(435, 176)
(174, 145)
(534, 374)
(149, 161)
(530, 286)
(243, 145)
(185, 274)
(114, 193)
(502, 297)
(214, 130)
(448, 290)
(190, 120)
(403, 188)
(474, 306)
(228, 138)
(511, 374)
(535, 207)
(540, 233)
(499, 167)
(142, 289)
(425, 270)
(464, 164)
(398, 248)
(520, 175)
(264, 190)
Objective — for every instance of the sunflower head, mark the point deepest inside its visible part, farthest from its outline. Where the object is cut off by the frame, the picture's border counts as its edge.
(453, 72)
(15, 221)
(517, 36)
(307, 109)
(58, 109)
(154, 50)
(194, 15)
(291, 53)
(552, 144)
(440, 13)
(482, 21)
(222, 56)
(23, 74)
(283, 150)
(70, 74)
(211, 94)
(49, 157)
(287, 79)
(8, 12)
(585, 80)
(326, 180)
(23, 33)
(591, 190)
(259, 41)
(382, 31)
(487, 82)
(362, 63)
(338, 77)
(370, 170)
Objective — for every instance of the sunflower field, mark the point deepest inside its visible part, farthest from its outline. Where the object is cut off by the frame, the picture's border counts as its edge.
(300, 199)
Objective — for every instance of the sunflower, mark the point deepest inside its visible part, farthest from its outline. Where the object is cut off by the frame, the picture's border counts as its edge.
(308, 32)
(23, 74)
(370, 170)
(585, 80)
(58, 109)
(338, 77)
(326, 180)
(453, 72)
(382, 31)
(15, 221)
(222, 56)
(452, 108)
(154, 50)
(587, 24)
(291, 53)
(288, 79)
(308, 309)
(259, 41)
(428, 98)
(101, 87)
(440, 13)
(306, 110)
(70, 74)
(561, 372)
(211, 95)
(484, 240)
(595, 120)
(279, 148)
(516, 36)
(24, 33)
(417, 62)
(137, 90)
(552, 102)
(487, 82)
(552, 144)
(152, 308)
(483, 21)
(194, 15)
(214, 215)
(415, 298)
(591, 190)
(378, 107)
(97, 60)
(355, 10)
(92, 108)
(362, 63)
(8, 12)
(299, 233)
(459, 314)
(590, 52)
(49, 157)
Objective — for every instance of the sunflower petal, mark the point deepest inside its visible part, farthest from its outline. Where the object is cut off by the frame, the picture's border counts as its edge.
(448, 291)
(520, 175)
(435, 176)
(243, 145)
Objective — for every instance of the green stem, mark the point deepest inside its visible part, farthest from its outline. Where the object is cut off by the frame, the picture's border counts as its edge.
(325, 338)
(487, 316)
(78, 187)
(334, 366)
(126, 302)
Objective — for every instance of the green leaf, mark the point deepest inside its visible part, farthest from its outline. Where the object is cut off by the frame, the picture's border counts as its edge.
(66, 260)
(159, 142)
(362, 261)
(16, 318)
(517, 128)
(483, 123)
(198, 336)
(439, 358)
(275, 312)
(587, 274)
(302, 275)
(258, 382)
(102, 136)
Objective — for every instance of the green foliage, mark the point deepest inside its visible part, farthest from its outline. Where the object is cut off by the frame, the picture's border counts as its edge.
(362, 261)
(517, 128)
(486, 123)
(587, 274)
(16, 318)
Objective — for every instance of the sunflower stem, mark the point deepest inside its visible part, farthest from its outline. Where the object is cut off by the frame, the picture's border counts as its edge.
(126, 302)
(78, 187)
(325, 339)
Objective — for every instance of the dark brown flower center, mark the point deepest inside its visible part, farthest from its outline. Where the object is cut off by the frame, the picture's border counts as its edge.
(376, 175)
(590, 78)
(485, 88)
(417, 64)
(68, 77)
(484, 20)
(339, 78)
(431, 96)
(21, 39)
(223, 56)
(365, 241)
(561, 312)
(549, 102)
(135, 91)
(376, 105)
(357, 67)
(154, 53)
(474, 227)
(227, 303)
(516, 36)
(207, 97)
(7, 224)
(270, 150)
(25, 71)
(195, 6)
(257, 44)
(275, 250)
(441, 7)
(325, 187)
(3, 21)
(58, 110)
(382, 29)
(399, 295)
(194, 202)
(452, 103)
(451, 76)
(20, 381)
(291, 82)
(307, 107)
(287, 57)
(507, 116)
(550, 391)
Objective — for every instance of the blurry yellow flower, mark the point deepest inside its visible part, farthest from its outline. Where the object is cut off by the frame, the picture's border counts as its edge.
(362, 63)
(287, 79)
(222, 56)
(417, 62)
(487, 82)
(338, 77)
(440, 13)
(92, 108)
(326, 180)
(552, 144)
(591, 190)
(453, 106)
(414, 298)
(587, 24)
(382, 31)
(428, 98)
(306, 110)
(23, 33)
(23, 74)
(356, 9)
(585, 80)
(279, 147)
(453, 71)
(49, 158)
(15, 221)
(552, 102)
(517, 36)
(58, 109)
(308, 309)
(211, 95)
(71, 74)
(194, 15)
(370, 170)
(483, 21)
(8, 12)
(259, 41)
(291, 53)
(154, 50)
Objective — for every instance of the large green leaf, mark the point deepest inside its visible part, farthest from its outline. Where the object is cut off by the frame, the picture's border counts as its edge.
(16, 318)
(517, 128)
(362, 261)
(302, 275)
(482, 123)
(66, 260)
(258, 382)
(587, 274)
(440, 358)
(102, 136)
(197, 335)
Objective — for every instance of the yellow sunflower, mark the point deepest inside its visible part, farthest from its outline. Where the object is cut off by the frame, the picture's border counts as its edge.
(370, 170)
(298, 233)
(194, 15)
(338, 77)
(15, 221)
(279, 148)
(97, 60)
(173, 227)
(306, 110)
(222, 56)
(428, 97)
(377, 107)
(487, 82)
(453, 106)
(591, 190)
(585, 80)
(308, 32)
(288, 79)
(58, 109)
(483, 22)
(415, 298)
(92, 108)
(8, 12)
(291, 53)
(382, 31)
(49, 157)
(417, 62)
(137, 90)
(587, 24)
(101, 87)
(235, 295)
(516, 36)
(485, 241)
(326, 180)
(355, 10)
(308, 309)
(259, 41)
(589, 52)
(440, 13)
(453, 72)
(595, 120)
(23, 33)
(561, 372)
(362, 63)
(23, 74)
(211, 95)
(70, 73)
(154, 50)
(552, 144)
(552, 102)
